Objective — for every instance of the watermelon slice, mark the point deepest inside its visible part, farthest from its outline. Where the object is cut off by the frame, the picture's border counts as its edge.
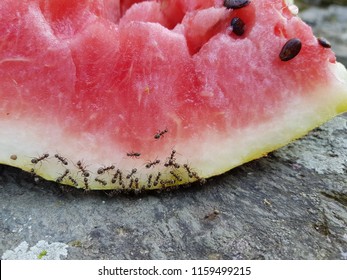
(136, 95)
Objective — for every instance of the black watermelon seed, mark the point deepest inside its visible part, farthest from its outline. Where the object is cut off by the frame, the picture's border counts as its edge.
(290, 49)
(238, 26)
(324, 42)
(236, 4)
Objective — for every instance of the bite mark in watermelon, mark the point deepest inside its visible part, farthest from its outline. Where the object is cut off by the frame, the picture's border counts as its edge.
(150, 94)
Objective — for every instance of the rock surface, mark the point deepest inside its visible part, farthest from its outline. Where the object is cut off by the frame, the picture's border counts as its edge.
(291, 204)
(330, 23)
(322, 2)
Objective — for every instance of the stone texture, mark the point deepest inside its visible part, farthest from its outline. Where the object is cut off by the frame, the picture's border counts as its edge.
(331, 23)
(322, 2)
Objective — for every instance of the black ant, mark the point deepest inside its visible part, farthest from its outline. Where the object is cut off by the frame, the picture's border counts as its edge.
(160, 134)
(149, 180)
(138, 190)
(121, 184)
(61, 178)
(196, 176)
(177, 177)
(86, 185)
(34, 175)
(131, 173)
(191, 173)
(85, 173)
(74, 182)
(37, 160)
(164, 183)
(131, 183)
(171, 160)
(152, 163)
(61, 159)
(187, 168)
(102, 170)
(172, 156)
(157, 179)
(121, 180)
(136, 183)
(115, 176)
(134, 154)
(102, 182)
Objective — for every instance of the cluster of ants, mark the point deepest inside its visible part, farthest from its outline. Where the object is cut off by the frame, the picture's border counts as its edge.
(129, 181)
(176, 173)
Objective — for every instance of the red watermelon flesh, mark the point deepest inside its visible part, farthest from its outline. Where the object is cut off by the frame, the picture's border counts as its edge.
(149, 94)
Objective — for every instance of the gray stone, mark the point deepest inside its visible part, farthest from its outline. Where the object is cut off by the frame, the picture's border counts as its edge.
(322, 2)
(330, 23)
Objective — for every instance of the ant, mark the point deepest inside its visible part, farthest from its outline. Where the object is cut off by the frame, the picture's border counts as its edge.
(171, 160)
(37, 160)
(160, 134)
(115, 176)
(165, 183)
(34, 175)
(131, 173)
(136, 183)
(74, 182)
(61, 178)
(177, 177)
(61, 159)
(152, 163)
(157, 179)
(102, 170)
(133, 154)
(85, 173)
(131, 183)
(102, 182)
(191, 173)
(172, 156)
(149, 180)
(121, 184)
(86, 185)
